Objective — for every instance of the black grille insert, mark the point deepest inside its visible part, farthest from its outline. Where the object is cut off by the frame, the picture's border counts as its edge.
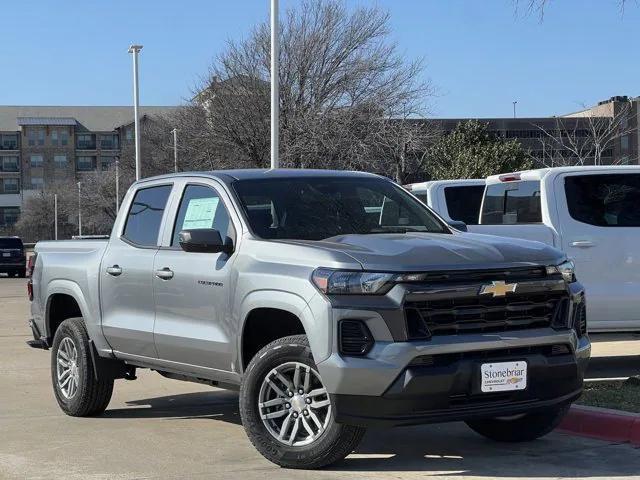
(355, 338)
(485, 313)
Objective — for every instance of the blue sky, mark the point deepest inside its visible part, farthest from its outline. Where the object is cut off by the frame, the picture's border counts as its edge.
(479, 54)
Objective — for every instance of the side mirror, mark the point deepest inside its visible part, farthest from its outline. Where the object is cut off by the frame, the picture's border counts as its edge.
(203, 240)
(458, 225)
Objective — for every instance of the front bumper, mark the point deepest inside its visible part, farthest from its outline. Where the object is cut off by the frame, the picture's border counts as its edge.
(450, 389)
(392, 386)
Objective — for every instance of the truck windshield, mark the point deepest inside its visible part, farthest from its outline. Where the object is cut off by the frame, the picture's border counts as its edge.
(11, 243)
(316, 208)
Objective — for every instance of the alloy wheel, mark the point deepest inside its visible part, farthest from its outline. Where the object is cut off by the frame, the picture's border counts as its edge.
(67, 368)
(294, 404)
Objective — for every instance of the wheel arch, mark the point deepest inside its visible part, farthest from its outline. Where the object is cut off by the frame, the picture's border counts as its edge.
(293, 316)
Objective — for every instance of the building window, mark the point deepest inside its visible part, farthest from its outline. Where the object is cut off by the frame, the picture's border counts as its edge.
(54, 137)
(86, 141)
(37, 183)
(64, 137)
(9, 164)
(9, 142)
(60, 161)
(129, 134)
(9, 185)
(36, 161)
(109, 142)
(86, 164)
(9, 215)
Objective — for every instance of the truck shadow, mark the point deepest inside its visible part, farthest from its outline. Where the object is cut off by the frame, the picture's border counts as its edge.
(443, 449)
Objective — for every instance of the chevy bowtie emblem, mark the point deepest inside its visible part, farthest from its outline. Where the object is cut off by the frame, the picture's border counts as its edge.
(499, 288)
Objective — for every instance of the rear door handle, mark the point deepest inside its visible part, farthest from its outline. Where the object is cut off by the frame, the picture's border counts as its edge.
(114, 271)
(164, 274)
(583, 244)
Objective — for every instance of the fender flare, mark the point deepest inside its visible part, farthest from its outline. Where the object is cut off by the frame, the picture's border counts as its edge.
(319, 338)
(72, 289)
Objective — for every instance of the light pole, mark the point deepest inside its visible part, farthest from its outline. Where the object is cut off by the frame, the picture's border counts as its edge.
(55, 216)
(175, 150)
(275, 96)
(117, 185)
(514, 108)
(79, 212)
(135, 49)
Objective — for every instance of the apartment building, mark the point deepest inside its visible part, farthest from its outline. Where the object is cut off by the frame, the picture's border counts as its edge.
(42, 144)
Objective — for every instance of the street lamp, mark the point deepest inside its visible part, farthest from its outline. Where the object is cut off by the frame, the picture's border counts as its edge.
(514, 108)
(175, 149)
(117, 185)
(275, 96)
(79, 212)
(135, 49)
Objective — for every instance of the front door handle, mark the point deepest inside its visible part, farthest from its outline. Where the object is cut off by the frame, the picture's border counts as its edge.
(583, 244)
(164, 274)
(114, 271)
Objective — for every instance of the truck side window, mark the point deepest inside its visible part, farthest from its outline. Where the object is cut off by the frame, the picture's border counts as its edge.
(512, 203)
(463, 203)
(609, 200)
(202, 207)
(145, 215)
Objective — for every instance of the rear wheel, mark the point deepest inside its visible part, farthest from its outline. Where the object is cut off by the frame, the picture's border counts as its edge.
(78, 392)
(522, 428)
(286, 410)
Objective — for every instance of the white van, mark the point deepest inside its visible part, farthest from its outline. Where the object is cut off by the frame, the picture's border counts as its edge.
(593, 214)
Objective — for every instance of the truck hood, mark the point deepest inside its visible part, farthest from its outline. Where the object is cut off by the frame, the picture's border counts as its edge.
(435, 251)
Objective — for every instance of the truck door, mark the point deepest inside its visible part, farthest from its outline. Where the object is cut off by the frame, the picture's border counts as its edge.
(514, 209)
(126, 288)
(192, 290)
(600, 230)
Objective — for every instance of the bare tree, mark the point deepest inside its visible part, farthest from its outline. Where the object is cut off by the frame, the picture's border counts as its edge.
(586, 138)
(539, 7)
(339, 72)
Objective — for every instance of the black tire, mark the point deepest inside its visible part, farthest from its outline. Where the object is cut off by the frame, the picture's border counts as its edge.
(92, 395)
(334, 444)
(520, 429)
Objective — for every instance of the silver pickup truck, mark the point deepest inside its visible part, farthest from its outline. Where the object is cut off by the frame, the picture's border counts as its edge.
(333, 301)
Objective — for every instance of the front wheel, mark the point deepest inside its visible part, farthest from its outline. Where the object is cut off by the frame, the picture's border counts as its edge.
(78, 392)
(522, 428)
(286, 410)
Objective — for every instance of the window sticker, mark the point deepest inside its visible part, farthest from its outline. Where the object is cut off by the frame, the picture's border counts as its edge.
(200, 213)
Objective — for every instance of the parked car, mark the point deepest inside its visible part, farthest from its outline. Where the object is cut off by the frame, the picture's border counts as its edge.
(592, 214)
(12, 257)
(333, 301)
(454, 200)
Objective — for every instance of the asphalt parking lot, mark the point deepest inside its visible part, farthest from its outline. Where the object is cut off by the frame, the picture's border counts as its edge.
(156, 428)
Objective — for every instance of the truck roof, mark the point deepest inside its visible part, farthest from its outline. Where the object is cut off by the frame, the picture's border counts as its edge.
(229, 176)
(540, 173)
(424, 186)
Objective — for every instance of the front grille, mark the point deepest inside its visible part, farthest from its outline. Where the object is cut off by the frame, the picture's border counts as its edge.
(474, 313)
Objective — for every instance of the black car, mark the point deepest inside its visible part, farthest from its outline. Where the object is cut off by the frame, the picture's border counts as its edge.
(12, 257)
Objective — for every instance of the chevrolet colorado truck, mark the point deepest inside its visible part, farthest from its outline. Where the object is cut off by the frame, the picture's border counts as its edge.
(333, 301)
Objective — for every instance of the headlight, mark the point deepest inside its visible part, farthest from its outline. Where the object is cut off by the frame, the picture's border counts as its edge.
(566, 269)
(343, 282)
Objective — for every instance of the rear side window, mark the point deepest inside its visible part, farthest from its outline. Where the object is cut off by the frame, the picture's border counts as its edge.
(610, 200)
(463, 203)
(512, 203)
(201, 207)
(145, 215)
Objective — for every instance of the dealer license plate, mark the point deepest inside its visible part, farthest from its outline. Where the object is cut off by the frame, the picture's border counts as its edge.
(503, 376)
(6, 254)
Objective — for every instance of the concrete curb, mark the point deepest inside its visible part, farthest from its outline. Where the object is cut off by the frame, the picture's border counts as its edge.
(602, 423)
